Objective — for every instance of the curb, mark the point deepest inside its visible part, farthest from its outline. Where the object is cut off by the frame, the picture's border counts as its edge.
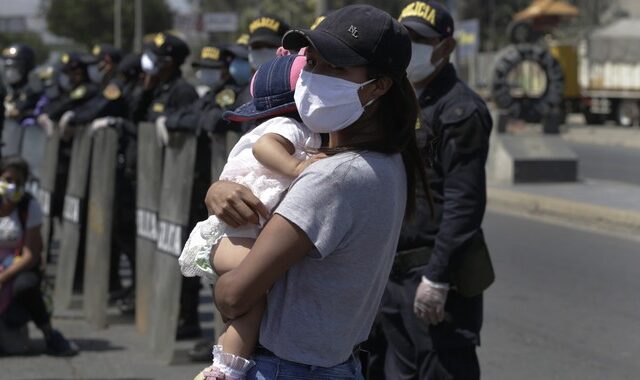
(626, 138)
(584, 214)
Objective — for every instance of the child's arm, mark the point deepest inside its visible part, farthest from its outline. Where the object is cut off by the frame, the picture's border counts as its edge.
(275, 152)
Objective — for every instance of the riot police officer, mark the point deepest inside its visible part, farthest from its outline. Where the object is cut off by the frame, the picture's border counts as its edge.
(265, 36)
(19, 60)
(431, 313)
(104, 64)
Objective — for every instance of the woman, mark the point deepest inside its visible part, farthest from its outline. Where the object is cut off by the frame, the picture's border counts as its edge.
(20, 249)
(325, 255)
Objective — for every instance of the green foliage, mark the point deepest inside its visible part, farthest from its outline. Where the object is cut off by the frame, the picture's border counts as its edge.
(29, 38)
(91, 21)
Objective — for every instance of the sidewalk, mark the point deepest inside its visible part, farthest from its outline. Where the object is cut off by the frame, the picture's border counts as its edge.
(115, 353)
(603, 135)
(605, 205)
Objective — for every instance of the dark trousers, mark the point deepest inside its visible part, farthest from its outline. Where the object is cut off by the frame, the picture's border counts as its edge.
(27, 294)
(403, 347)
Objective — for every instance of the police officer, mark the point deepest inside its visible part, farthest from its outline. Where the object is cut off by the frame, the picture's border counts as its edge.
(265, 36)
(104, 64)
(431, 313)
(19, 61)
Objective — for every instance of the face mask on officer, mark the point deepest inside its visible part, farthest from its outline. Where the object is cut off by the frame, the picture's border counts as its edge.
(12, 75)
(240, 71)
(65, 81)
(96, 74)
(208, 77)
(149, 63)
(259, 56)
(420, 66)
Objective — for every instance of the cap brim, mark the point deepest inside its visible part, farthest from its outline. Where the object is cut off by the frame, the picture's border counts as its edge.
(238, 51)
(248, 112)
(421, 28)
(266, 39)
(205, 63)
(330, 48)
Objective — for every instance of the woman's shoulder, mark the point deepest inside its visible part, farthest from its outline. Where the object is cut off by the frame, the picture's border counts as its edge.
(358, 167)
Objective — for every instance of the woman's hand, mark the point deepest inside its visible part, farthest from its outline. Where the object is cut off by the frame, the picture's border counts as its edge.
(234, 204)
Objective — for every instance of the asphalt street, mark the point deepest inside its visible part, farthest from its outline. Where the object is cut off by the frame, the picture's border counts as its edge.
(565, 304)
(608, 162)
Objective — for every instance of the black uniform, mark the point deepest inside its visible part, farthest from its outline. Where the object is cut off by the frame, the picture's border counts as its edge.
(23, 97)
(454, 130)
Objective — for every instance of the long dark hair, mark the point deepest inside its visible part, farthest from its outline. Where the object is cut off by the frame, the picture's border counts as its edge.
(397, 114)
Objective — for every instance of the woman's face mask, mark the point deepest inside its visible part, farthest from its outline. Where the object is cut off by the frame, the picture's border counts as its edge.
(240, 71)
(12, 75)
(420, 66)
(259, 56)
(208, 77)
(327, 104)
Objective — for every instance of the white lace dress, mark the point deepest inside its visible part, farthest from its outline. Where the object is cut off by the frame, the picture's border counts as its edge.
(243, 168)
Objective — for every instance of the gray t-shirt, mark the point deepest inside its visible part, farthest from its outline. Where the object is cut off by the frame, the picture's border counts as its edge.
(351, 206)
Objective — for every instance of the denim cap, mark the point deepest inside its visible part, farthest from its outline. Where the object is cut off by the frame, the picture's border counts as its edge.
(272, 88)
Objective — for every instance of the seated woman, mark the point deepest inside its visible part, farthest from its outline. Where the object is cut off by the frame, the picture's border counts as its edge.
(20, 250)
(322, 261)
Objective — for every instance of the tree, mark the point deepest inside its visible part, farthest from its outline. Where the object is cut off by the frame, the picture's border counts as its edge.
(91, 21)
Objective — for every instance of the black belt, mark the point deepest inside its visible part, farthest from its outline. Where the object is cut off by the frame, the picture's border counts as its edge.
(411, 258)
(261, 350)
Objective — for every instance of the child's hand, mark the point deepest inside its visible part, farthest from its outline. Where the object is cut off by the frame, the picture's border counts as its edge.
(304, 163)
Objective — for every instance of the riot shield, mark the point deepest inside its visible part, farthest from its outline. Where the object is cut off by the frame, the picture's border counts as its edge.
(11, 137)
(74, 212)
(218, 154)
(175, 201)
(99, 226)
(34, 140)
(46, 186)
(149, 179)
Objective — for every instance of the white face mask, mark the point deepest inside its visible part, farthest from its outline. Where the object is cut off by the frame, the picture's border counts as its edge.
(208, 77)
(420, 66)
(148, 63)
(12, 75)
(328, 104)
(259, 56)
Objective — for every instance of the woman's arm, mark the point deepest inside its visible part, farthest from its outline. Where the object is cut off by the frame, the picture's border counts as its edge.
(30, 255)
(280, 245)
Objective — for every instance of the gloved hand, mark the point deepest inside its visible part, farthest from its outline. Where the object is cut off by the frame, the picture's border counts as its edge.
(430, 299)
(65, 119)
(101, 122)
(46, 123)
(161, 131)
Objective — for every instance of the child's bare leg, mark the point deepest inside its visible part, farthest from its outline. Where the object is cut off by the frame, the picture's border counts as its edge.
(241, 335)
(229, 253)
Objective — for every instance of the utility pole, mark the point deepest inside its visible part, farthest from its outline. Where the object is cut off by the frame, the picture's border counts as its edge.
(321, 7)
(137, 35)
(117, 24)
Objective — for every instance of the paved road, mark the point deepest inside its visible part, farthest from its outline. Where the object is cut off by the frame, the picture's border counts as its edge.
(608, 163)
(565, 304)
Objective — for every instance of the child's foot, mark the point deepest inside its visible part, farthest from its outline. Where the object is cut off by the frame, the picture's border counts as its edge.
(58, 345)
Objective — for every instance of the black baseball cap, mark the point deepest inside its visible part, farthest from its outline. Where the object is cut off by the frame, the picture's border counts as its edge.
(212, 57)
(100, 51)
(240, 48)
(73, 60)
(357, 35)
(429, 19)
(267, 29)
(169, 45)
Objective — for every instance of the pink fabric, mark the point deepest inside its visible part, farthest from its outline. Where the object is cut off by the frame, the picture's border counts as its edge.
(298, 64)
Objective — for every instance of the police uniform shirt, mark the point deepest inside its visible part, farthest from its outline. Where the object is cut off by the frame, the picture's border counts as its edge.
(454, 129)
(206, 114)
(169, 97)
(72, 100)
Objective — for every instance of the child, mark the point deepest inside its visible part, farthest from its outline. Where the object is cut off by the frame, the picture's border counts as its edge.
(266, 160)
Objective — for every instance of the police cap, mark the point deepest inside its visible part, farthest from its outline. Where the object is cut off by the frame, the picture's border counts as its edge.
(427, 18)
(267, 29)
(240, 48)
(19, 55)
(129, 66)
(73, 60)
(101, 51)
(169, 45)
(213, 57)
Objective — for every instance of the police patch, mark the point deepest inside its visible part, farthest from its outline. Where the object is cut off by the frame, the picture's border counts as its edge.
(112, 92)
(158, 107)
(96, 50)
(159, 39)
(78, 93)
(225, 97)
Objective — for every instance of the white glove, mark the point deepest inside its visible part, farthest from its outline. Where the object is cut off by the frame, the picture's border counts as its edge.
(8, 109)
(430, 299)
(101, 122)
(64, 120)
(161, 131)
(46, 123)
